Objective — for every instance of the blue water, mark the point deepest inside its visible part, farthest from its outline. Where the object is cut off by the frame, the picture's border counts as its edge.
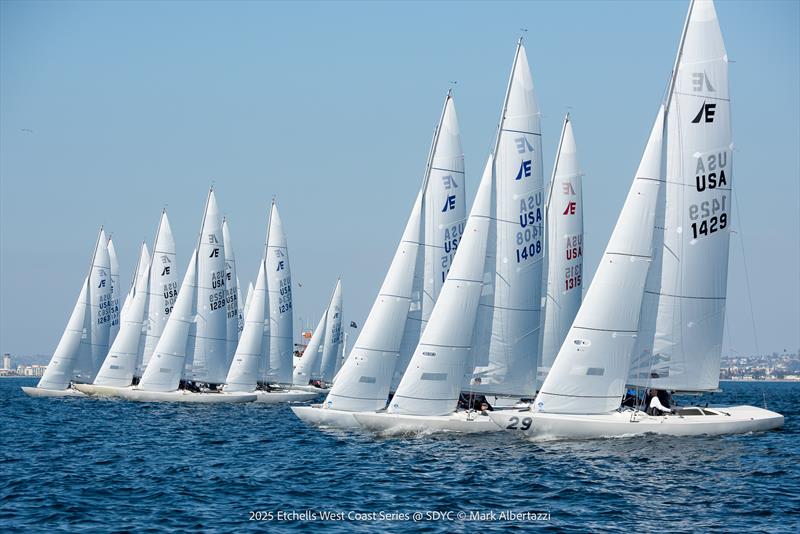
(99, 465)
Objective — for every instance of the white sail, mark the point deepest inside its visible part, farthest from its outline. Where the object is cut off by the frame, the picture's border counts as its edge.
(74, 347)
(432, 381)
(166, 366)
(588, 375)
(684, 308)
(244, 372)
(162, 291)
(333, 335)
(308, 368)
(120, 363)
(58, 373)
(98, 329)
(364, 380)
(506, 342)
(564, 248)
(279, 286)
(115, 292)
(247, 298)
(441, 227)
(207, 360)
(231, 295)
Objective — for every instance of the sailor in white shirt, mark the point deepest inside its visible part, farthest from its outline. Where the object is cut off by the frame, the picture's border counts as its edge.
(656, 408)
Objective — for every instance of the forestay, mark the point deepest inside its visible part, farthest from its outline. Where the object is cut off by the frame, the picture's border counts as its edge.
(207, 360)
(279, 288)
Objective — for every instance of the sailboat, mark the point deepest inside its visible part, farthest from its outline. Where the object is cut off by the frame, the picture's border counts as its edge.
(483, 334)
(262, 363)
(85, 340)
(653, 315)
(191, 351)
(146, 309)
(410, 289)
(120, 363)
(564, 248)
(115, 291)
(318, 363)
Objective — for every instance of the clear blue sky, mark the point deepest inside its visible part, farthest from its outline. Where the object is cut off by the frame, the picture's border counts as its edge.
(330, 107)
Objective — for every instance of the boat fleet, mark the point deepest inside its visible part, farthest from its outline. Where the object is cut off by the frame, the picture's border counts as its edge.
(479, 324)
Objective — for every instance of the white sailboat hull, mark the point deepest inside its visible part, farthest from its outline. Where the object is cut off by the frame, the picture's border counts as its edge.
(41, 392)
(95, 390)
(277, 397)
(183, 395)
(705, 421)
(392, 423)
(312, 389)
(318, 416)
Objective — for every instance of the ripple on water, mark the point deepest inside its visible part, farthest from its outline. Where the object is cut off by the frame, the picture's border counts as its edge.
(89, 464)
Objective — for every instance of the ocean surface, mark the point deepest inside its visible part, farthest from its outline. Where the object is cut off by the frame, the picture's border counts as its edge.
(80, 464)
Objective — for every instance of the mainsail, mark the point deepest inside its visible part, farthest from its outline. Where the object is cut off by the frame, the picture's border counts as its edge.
(683, 311)
(564, 248)
(231, 295)
(162, 291)
(333, 335)
(279, 287)
(115, 291)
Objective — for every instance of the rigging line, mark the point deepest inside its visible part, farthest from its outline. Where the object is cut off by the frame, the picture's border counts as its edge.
(746, 273)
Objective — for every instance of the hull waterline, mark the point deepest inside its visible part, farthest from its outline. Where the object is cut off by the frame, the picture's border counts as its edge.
(391, 423)
(690, 421)
(94, 390)
(185, 396)
(279, 397)
(41, 392)
(325, 417)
